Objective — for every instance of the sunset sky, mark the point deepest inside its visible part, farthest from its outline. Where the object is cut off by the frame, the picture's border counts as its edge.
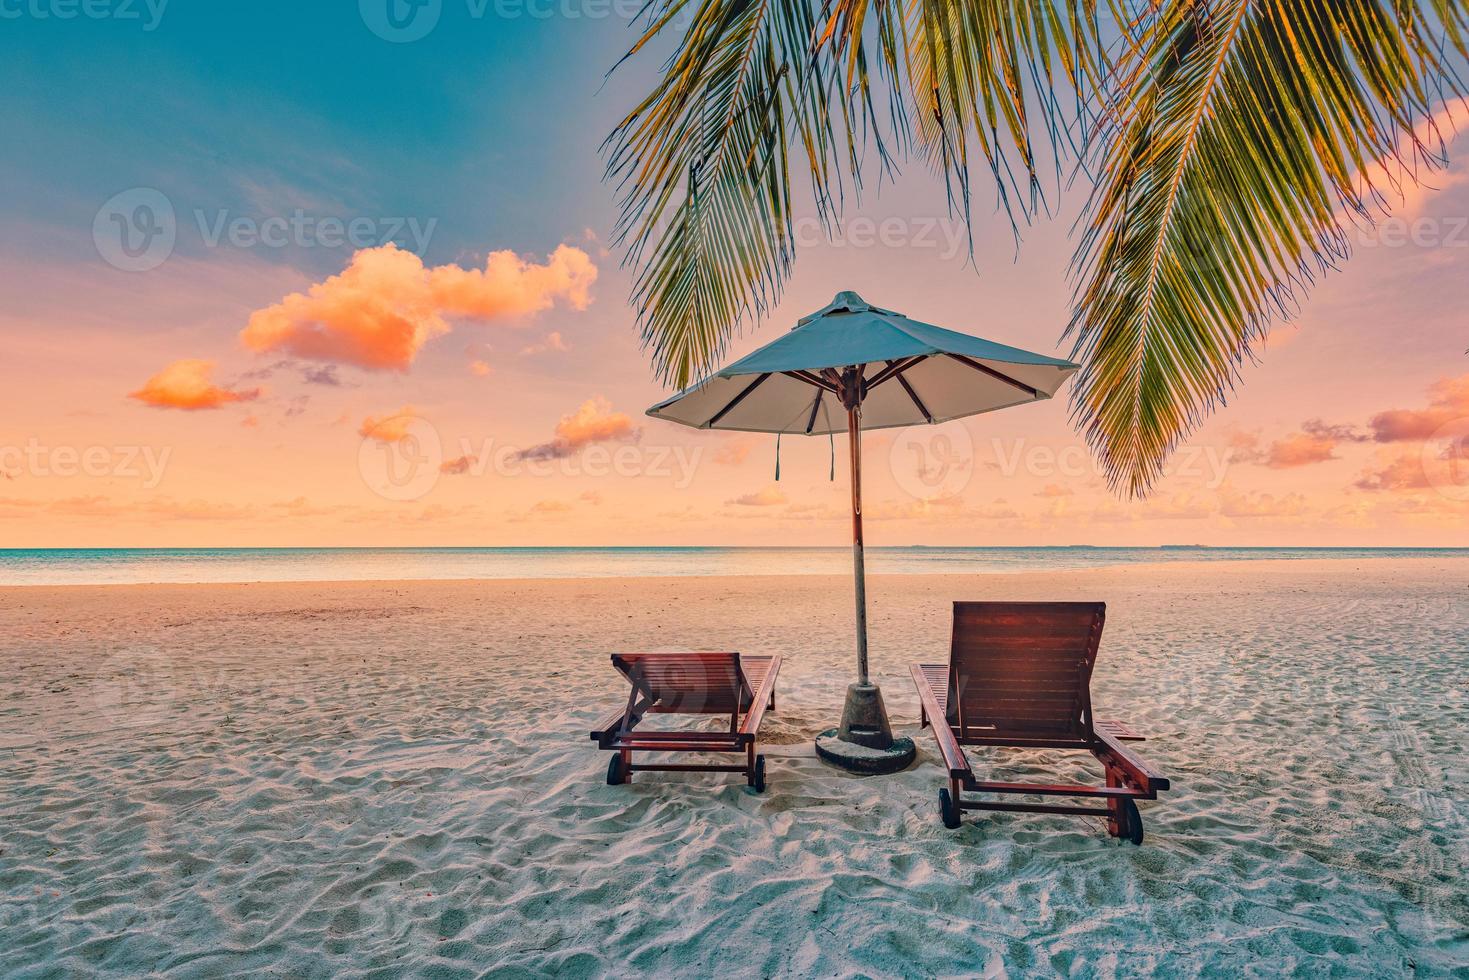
(265, 366)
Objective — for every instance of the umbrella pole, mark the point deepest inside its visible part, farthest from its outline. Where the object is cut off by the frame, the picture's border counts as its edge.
(864, 742)
(859, 571)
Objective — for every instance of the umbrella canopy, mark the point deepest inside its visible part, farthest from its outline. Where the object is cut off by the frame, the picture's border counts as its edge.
(852, 365)
(914, 374)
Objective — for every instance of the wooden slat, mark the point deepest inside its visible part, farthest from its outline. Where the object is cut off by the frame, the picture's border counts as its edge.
(928, 681)
(762, 679)
(1053, 789)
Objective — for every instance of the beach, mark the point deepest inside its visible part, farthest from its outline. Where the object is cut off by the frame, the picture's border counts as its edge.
(395, 779)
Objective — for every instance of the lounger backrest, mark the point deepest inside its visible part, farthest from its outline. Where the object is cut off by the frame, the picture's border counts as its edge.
(702, 683)
(1020, 672)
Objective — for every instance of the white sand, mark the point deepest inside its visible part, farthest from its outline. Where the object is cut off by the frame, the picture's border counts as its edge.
(395, 779)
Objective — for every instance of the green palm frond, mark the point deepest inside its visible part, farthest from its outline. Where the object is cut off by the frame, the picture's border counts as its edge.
(1241, 141)
(704, 171)
(703, 164)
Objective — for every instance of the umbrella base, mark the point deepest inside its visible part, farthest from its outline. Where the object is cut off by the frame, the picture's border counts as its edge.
(860, 759)
(864, 743)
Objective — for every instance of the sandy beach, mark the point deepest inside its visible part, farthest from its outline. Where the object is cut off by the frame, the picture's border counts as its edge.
(395, 779)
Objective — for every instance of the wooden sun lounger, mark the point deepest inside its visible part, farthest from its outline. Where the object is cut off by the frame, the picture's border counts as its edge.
(690, 683)
(1019, 675)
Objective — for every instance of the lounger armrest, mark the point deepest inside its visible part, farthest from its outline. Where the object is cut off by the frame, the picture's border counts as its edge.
(1138, 770)
(756, 714)
(954, 759)
(607, 730)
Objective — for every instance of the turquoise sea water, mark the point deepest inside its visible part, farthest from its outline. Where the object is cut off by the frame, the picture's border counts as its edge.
(104, 566)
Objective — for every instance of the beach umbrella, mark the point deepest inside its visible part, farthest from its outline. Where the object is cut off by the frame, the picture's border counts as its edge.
(852, 366)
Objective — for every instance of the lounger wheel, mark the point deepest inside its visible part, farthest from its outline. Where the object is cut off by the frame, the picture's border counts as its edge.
(757, 779)
(615, 774)
(949, 809)
(1132, 822)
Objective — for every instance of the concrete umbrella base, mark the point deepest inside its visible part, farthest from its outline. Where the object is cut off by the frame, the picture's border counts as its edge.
(865, 742)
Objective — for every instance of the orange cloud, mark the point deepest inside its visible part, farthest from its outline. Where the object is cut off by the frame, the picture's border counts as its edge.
(1448, 400)
(593, 422)
(553, 342)
(185, 384)
(1316, 442)
(769, 497)
(1234, 503)
(457, 467)
(479, 369)
(1404, 472)
(380, 311)
(389, 428)
(733, 453)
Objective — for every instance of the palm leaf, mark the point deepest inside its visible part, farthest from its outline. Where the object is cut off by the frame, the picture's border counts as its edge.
(1242, 138)
(704, 169)
(703, 164)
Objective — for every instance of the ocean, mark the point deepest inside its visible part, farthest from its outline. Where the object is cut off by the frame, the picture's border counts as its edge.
(116, 566)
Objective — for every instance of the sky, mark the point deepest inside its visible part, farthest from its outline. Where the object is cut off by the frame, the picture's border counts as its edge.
(301, 275)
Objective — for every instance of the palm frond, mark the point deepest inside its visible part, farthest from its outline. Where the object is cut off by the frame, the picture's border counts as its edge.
(1242, 140)
(704, 163)
(704, 171)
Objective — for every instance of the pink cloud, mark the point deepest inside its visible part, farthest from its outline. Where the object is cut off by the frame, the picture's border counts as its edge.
(553, 342)
(380, 311)
(1448, 400)
(768, 497)
(185, 384)
(593, 422)
(389, 428)
(1403, 472)
(457, 467)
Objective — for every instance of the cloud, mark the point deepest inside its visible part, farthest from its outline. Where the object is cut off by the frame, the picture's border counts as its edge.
(457, 467)
(389, 428)
(769, 497)
(593, 497)
(325, 375)
(553, 342)
(593, 422)
(1316, 442)
(1448, 400)
(1054, 490)
(1403, 472)
(733, 453)
(379, 312)
(479, 369)
(185, 385)
(1235, 503)
(550, 507)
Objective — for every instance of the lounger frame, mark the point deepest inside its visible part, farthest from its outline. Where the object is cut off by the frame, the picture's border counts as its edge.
(690, 683)
(1023, 670)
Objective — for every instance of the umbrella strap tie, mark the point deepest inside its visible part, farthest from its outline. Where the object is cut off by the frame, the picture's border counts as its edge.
(777, 457)
(832, 439)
